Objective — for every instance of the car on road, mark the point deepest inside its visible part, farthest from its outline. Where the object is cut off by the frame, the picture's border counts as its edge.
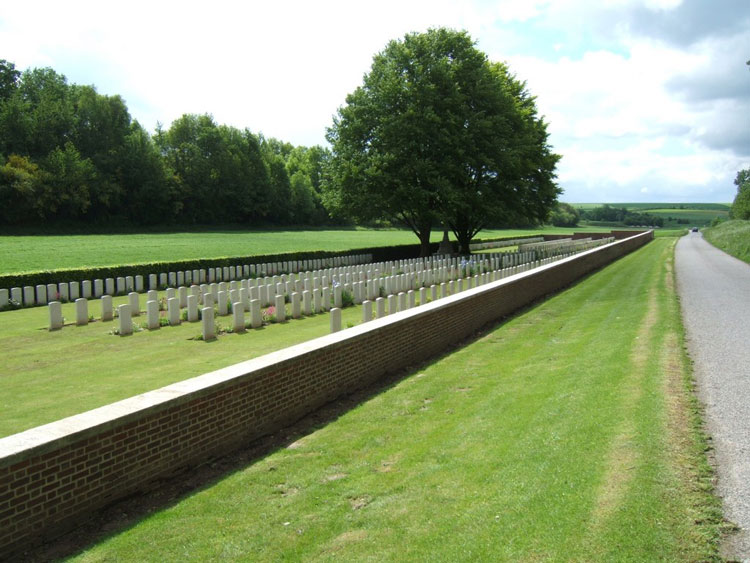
(694, 229)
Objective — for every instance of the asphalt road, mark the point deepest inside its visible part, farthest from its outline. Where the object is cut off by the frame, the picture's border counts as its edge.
(714, 290)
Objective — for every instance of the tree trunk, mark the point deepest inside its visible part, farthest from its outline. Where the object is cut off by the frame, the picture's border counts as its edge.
(464, 240)
(424, 242)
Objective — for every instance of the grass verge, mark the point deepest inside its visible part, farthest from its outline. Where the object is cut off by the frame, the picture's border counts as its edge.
(733, 237)
(569, 432)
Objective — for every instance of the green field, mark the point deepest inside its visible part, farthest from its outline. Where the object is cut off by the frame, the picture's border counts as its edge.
(649, 206)
(53, 252)
(567, 433)
(674, 214)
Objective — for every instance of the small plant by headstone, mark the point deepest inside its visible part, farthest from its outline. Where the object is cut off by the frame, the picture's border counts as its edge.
(269, 315)
(347, 299)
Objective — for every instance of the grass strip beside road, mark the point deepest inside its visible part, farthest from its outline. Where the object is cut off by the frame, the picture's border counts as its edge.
(733, 237)
(569, 432)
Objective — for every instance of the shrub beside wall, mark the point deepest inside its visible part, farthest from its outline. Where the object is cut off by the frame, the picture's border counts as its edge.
(59, 473)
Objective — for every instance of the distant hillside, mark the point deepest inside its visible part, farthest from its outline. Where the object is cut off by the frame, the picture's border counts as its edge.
(672, 214)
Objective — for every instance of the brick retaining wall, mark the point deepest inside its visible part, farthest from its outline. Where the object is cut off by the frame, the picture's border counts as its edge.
(54, 475)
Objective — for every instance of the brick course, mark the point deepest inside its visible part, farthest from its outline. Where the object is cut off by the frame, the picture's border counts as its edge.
(54, 475)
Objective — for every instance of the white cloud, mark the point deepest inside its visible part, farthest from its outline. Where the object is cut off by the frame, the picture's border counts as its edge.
(634, 104)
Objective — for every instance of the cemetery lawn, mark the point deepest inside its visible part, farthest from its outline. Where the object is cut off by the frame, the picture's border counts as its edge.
(569, 432)
(56, 252)
(45, 376)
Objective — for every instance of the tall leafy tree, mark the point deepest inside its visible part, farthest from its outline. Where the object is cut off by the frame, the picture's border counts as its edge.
(20, 183)
(220, 171)
(8, 79)
(150, 190)
(47, 100)
(438, 134)
(741, 204)
(101, 125)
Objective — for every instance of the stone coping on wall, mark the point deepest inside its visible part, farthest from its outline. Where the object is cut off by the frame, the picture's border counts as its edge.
(49, 437)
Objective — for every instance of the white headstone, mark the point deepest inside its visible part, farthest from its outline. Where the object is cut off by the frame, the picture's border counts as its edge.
(41, 294)
(317, 300)
(192, 308)
(109, 286)
(256, 318)
(366, 311)
(296, 305)
(223, 303)
(335, 319)
(380, 306)
(74, 290)
(4, 299)
(238, 317)
(82, 311)
(139, 284)
(280, 307)
(129, 284)
(244, 299)
(392, 304)
(173, 311)
(126, 320)
(207, 323)
(107, 313)
(55, 315)
(86, 289)
(152, 314)
(152, 282)
(63, 290)
(27, 295)
(306, 303)
(135, 303)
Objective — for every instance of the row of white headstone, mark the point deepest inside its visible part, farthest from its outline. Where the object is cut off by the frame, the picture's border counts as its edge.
(307, 296)
(553, 247)
(70, 291)
(42, 294)
(503, 243)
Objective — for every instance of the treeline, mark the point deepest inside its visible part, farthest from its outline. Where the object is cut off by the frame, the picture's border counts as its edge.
(608, 214)
(68, 153)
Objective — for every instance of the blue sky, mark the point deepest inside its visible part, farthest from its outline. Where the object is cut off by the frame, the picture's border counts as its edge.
(647, 100)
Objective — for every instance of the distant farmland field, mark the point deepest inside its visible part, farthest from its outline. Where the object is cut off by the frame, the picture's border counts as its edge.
(674, 214)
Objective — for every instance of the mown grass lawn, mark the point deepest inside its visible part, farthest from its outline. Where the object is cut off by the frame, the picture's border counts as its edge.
(566, 433)
(47, 375)
(54, 252)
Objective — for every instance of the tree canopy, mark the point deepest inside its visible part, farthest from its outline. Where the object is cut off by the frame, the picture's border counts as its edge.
(437, 134)
(70, 154)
